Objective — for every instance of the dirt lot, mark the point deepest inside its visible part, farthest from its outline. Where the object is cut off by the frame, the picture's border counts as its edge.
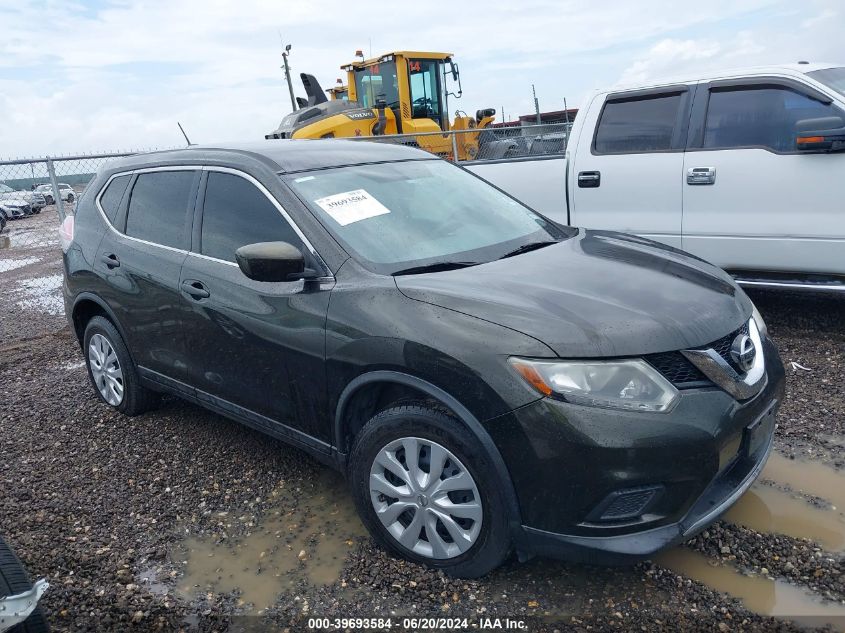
(183, 519)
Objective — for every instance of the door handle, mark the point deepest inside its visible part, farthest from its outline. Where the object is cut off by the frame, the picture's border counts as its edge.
(701, 175)
(589, 179)
(110, 260)
(195, 288)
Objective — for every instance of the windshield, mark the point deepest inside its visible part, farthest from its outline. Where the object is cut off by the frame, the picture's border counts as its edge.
(395, 216)
(377, 80)
(5, 188)
(833, 77)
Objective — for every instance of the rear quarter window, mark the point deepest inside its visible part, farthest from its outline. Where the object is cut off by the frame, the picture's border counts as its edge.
(112, 195)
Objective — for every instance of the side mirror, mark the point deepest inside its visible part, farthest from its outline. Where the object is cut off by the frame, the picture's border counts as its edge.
(825, 133)
(454, 68)
(273, 261)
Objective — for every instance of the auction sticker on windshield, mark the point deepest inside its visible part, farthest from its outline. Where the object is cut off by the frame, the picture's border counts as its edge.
(352, 206)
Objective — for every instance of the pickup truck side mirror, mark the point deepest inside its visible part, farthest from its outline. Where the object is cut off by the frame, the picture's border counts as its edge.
(273, 261)
(825, 134)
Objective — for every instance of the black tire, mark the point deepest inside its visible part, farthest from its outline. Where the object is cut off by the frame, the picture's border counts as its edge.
(13, 580)
(137, 399)
(70, 197)
(50, 200)
(493, 542)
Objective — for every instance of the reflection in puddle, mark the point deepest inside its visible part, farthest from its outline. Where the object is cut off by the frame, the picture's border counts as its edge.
(304, 541)
(761, 595)
(813, 478)
(767, 509)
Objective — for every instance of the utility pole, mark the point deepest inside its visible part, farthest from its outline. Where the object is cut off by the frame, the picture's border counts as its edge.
(287, 76)
(565, 111)
(536, 104)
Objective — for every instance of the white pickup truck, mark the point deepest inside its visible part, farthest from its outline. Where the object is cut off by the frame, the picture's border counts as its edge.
(745, 169)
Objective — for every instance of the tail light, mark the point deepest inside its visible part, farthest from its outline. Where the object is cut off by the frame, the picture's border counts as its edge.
(66, 233)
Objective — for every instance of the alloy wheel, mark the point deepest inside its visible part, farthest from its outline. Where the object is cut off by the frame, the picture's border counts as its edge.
(105, 369)
(425, 498)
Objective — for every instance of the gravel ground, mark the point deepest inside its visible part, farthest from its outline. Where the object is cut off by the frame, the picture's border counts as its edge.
(103, 505)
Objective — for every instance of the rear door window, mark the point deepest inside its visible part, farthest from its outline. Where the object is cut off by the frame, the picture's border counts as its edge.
(236, 213)
(158, 207)
(111, 197)
(638, 125)
(759, 117)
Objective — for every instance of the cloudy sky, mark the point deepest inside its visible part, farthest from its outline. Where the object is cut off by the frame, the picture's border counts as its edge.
(92, 76)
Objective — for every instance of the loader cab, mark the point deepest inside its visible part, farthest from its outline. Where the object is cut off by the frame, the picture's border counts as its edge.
(411, 84)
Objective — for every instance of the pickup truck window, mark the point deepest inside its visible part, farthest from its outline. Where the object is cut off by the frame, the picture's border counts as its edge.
(637, 125)
(833, 77)
(758, 117)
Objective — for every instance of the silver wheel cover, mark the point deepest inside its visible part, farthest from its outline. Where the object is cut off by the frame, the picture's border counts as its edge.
(425, 498)
(105, 369)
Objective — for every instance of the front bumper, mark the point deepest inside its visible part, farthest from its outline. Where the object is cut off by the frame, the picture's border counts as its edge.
(566, 461)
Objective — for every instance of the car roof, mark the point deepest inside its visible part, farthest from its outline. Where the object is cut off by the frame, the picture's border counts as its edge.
(730, 73)
(283, 155)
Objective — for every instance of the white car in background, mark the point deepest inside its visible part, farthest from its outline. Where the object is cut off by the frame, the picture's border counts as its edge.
(66, 191)
(17, 203)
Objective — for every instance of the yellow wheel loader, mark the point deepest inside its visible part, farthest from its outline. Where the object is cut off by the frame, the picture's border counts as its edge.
(402, 92)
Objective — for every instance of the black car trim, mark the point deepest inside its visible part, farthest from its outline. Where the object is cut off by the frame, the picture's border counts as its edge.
(315, 447)
(202, 168)
(464, 415)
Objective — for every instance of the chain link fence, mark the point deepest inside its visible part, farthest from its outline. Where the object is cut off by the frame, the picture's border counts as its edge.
(486, 144)
(31, 211)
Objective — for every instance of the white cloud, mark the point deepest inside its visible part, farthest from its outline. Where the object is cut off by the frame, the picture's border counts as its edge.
(77, 77)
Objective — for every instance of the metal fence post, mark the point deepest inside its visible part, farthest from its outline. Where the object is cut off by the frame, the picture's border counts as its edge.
(57, 195)
(454, 147)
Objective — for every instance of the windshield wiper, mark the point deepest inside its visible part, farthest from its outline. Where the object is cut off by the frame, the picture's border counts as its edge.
(526, 247)
(436, 267)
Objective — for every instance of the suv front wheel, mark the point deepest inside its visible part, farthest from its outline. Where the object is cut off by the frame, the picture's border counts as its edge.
(425, 490)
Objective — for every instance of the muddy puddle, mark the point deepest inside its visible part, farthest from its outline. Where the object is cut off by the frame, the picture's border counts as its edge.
(759, 594)
(809, 477)
(770, 510)
(298, 541)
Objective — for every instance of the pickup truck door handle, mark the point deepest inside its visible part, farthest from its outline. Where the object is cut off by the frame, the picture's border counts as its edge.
(701, 175)
(195, 288)
(110, 260)
(589, 179)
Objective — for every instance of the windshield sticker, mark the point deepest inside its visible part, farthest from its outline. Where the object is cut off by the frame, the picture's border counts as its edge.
(352, 206)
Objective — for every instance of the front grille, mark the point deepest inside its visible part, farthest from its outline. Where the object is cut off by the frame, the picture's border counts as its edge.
(723, 346)
(682, 373)
(677, 370)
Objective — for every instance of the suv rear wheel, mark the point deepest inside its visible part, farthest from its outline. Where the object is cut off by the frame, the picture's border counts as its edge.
(112, 371)
(426, 491)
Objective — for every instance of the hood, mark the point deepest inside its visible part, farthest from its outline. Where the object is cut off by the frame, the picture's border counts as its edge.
(596, 294)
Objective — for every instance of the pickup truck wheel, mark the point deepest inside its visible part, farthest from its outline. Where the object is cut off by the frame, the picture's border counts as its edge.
(426, 491)
(112, 371)
(70, 197)
(13, 580)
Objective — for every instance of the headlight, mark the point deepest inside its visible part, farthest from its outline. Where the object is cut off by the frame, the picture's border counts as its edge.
(758, 319)
(633, 385)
